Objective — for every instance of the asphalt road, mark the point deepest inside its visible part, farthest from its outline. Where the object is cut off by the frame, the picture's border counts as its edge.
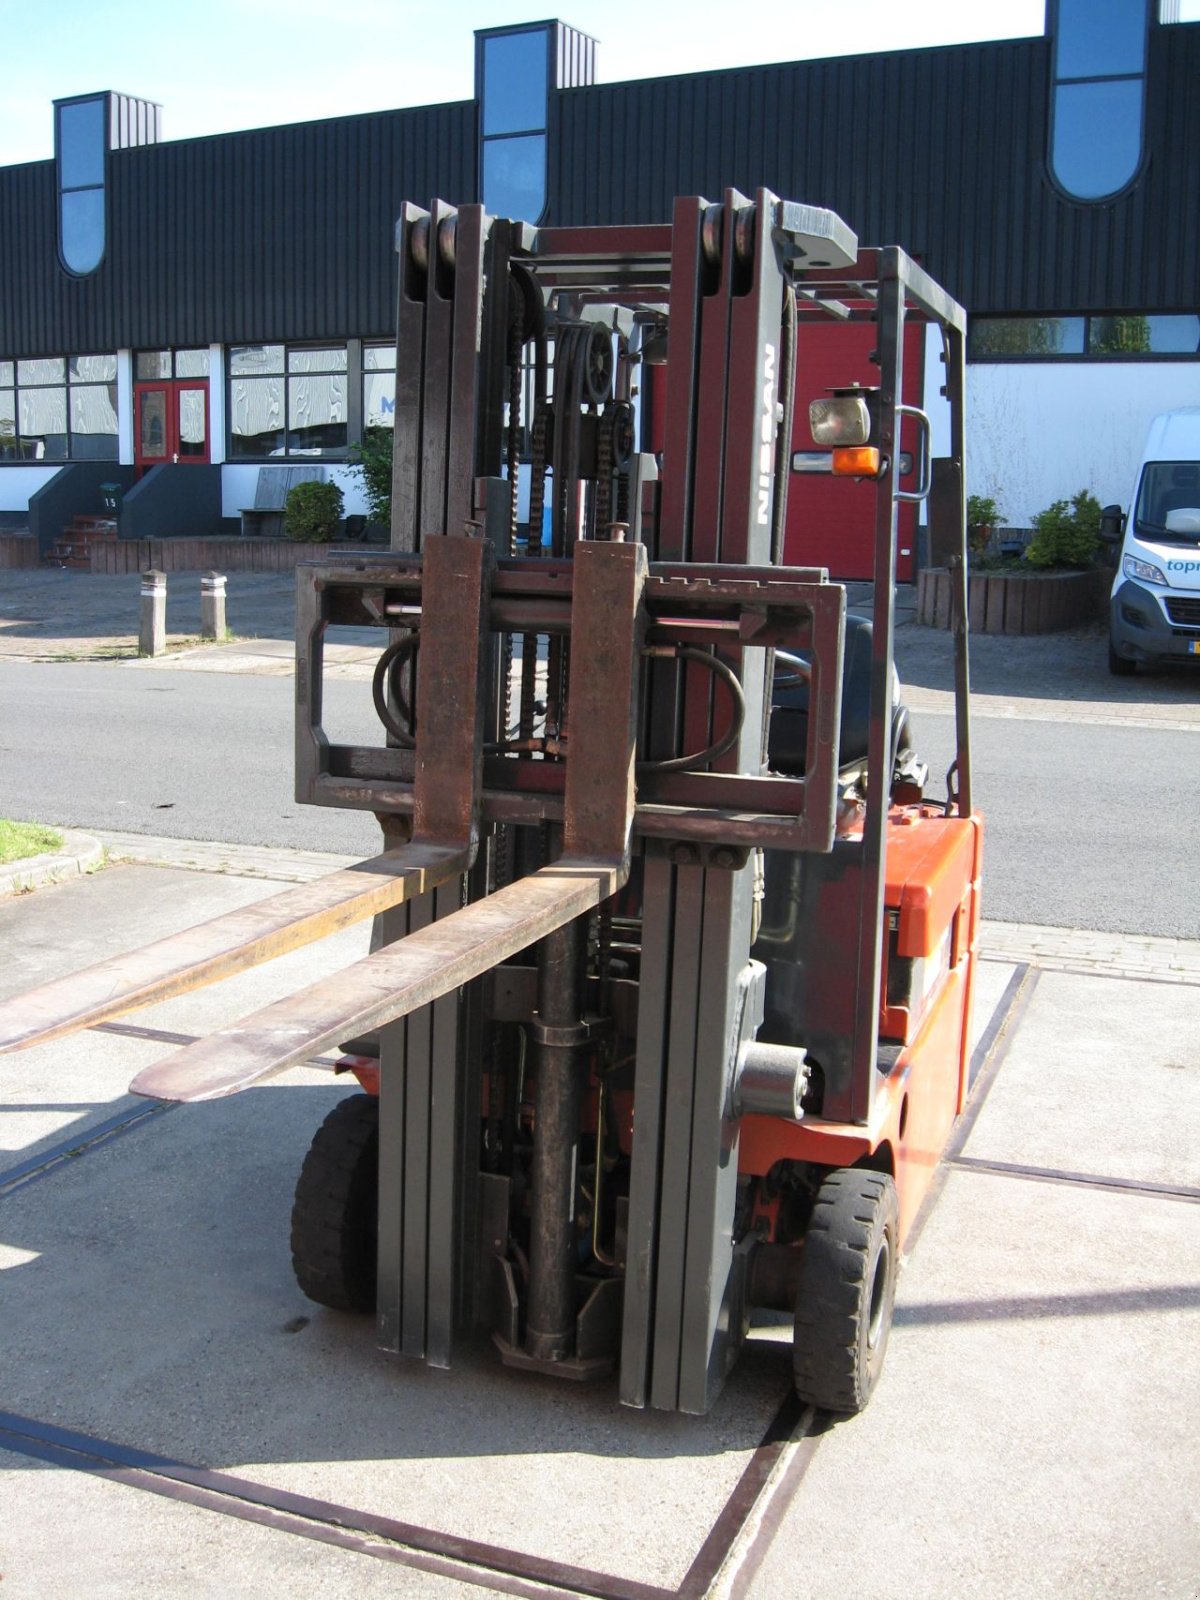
(1091, 824)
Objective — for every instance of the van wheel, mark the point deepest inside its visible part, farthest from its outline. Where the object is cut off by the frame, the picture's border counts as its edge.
(1120, 666)
(845, 1289)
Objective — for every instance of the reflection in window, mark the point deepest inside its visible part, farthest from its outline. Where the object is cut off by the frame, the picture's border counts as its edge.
(992, 337)
(193, 422)
(1099, 38)
(93, 369)
(512, 87)
(152, 365)
(82, 147)
(1099, 71)
(514, 83)
(307, 417)
(514, 176)
(59, 408)
(1097, 136)
(379, 386)
(1141, 336)
(1135, 335)
(316, 414)
(93, 421)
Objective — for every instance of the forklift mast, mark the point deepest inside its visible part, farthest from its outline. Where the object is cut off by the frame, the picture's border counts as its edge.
(632, 960)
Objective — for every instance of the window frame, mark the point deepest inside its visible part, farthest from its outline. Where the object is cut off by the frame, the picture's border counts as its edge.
(68, 383)
(1087, 355)
(355, 373)
(62, 189)
(1069, 80)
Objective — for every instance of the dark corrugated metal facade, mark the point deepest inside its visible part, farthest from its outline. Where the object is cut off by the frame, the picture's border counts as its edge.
(942, 151)
(286, 233)
(282, 233)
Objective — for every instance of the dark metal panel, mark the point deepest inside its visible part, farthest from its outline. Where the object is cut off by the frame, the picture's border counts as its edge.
(944, 149)
(274, 234)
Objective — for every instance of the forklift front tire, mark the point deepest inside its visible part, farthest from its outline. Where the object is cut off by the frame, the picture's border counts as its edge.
(846, 1289)
(335, 1218)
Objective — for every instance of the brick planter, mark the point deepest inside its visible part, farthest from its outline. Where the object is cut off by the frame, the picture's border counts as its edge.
(1016, 602)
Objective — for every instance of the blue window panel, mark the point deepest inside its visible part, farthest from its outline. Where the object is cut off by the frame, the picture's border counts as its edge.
(514, 82)
(81, 228)
(1097, 136)
(514, 177)
(81, 145)
(1100, 38)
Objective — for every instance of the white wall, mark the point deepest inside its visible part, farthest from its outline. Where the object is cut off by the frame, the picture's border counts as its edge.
(18, 483)
(1040, 432)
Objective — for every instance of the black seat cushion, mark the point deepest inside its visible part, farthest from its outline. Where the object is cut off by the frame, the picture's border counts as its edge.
(787, 740)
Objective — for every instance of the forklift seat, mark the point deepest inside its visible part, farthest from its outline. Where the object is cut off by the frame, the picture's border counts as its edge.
(787, 741)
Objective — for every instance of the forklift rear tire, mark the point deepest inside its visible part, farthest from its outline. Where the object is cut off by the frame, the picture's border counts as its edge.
(335, 1218)
(846, 1289)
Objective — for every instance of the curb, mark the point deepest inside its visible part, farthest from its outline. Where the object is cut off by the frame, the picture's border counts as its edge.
(80, 854)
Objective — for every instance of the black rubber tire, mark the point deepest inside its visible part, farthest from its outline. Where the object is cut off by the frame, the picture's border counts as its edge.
(846, 1289)
(1120, 666)
(335, 1218)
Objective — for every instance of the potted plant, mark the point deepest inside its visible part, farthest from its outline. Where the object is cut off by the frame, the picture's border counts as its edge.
(313, 512)
(1055, 583)
(1066, 534)
(982, 516)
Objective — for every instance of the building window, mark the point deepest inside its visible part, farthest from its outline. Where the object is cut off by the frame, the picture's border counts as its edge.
(287, 400)
(81, 141)
(1099, 74)
(379, 386)
(1131, 336)
(512, 80)
(59, 408)
(163, 365)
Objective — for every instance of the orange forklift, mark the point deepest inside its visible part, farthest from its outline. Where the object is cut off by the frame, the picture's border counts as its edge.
(667, 1011)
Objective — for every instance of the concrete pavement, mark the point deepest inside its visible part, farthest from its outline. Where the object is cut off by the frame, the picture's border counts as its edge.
(176, 1420)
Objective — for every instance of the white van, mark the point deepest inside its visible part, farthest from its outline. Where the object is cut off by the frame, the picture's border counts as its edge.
(1154, 614)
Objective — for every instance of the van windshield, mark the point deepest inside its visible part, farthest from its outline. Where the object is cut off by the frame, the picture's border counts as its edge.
(1168, 503)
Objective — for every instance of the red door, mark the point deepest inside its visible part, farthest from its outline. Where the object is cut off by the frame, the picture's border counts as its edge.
(831, 521)
(170, 423)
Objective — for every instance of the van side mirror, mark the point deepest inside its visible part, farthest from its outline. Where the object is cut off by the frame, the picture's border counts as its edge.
(1112, 524)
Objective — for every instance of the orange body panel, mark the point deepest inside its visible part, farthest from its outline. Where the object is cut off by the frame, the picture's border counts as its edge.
(930, 864)
(916, 1104)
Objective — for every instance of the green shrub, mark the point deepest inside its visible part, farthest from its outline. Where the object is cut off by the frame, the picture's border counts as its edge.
(313, 512)
(1067, 535)
(982, 511)
(373, 463)
(982, 516)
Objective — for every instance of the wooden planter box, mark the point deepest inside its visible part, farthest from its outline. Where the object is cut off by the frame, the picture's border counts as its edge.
(1016, 602)
(203, 555)
(18, 550)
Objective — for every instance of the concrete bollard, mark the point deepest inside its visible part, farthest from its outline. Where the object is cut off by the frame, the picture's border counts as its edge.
(212, 605)
(152, 633)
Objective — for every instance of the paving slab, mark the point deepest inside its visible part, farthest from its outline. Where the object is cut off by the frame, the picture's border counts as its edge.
(1103, 1078)
(67, 1534)
(155, 1306)
(1034, 1431)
